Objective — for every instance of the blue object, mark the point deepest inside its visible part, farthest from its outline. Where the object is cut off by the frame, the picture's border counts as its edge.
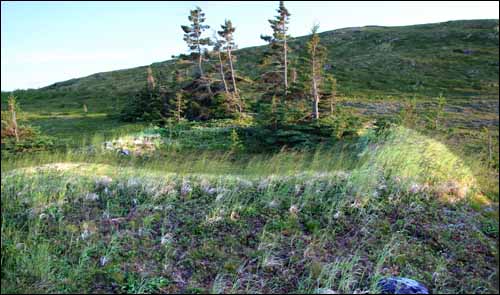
(399, 285)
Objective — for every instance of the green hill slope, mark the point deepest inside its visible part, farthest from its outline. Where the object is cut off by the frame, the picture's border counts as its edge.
(373, 63)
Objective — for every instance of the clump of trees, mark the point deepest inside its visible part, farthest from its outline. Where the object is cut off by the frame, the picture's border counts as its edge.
(294, 98)
(18, 137)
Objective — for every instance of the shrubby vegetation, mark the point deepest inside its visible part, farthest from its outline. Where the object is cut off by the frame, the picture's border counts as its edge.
(18, 137)
(190, 225)
(287, 112)
(306, 166)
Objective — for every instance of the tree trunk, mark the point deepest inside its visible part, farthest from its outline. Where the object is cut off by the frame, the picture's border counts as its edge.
(235, 89)
(316, 100)
(314, 85)
(331, 104)
(285, 48)
(222, 73)
(14, 122)
(200, 69)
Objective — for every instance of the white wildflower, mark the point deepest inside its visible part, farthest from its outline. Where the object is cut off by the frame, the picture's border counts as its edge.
(219, 197)
(103, 260)
(243, 183)
(342, 175)
(293, 210)
(415, 188)
(105, 214)
(133, 182)
(298, 190)
(273, 204)
(263, 184)
(91, 197)
(85, 234)
(104, 181)
(167, 239)
(186, 188)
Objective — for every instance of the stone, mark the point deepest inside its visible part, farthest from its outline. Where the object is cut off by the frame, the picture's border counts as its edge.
(400, 285)
(124, 152)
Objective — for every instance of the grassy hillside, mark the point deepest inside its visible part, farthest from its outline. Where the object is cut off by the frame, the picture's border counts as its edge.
(190, 208)
(376, 68)
(287, 223)
(459, 58)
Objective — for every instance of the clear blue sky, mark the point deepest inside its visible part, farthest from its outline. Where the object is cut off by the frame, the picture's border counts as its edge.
(47, 42)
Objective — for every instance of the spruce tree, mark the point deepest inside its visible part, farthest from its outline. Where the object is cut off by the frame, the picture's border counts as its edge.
(177, 102)
(316, 57)
(278, 54)
(274, 80)
(193, 36)
(229, 45)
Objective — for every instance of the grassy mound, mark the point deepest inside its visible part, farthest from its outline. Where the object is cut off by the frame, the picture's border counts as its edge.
(415, 162)
(75, 227)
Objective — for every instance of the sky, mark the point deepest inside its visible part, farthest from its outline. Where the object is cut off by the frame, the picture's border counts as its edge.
(44, 42)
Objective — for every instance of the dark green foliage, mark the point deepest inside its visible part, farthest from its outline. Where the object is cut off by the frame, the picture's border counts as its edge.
(148, 105)
(193, 38)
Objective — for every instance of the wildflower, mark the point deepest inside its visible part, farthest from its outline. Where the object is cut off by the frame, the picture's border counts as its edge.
(105, 215)
(133, 182)
(298, 190)
(337, 215)
(158, 208)
(243, 183)
(273, 204)
(342, 175)
(167, 239)
(234, 216)
(103, 181)
(415, 188)
(219, 197)
(186, 188)
(263, 184)
(356, 204)
(103, 260)
(85, 234)
(91, 197)
(293, 210)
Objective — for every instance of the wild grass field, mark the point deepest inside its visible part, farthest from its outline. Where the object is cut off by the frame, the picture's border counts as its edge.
(117, 207)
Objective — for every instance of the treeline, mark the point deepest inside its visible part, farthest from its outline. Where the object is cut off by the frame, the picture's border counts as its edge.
(290, 91)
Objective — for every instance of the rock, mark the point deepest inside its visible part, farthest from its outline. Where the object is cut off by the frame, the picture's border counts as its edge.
(400, 285)
(325, 291)
(124, 152)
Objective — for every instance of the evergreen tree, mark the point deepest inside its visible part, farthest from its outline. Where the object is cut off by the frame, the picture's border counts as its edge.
(177, 103)
(277, 56)
(274, 80)
(148, 104)
(192, 36)
(218, 44)
(316, 56)
(330, 94)
(229, 45)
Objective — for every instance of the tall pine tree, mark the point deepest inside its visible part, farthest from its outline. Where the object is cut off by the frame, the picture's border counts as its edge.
(316, 57)
(229, 45)
(193, 36)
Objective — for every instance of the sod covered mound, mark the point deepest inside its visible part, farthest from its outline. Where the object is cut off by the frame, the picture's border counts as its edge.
(96, 228)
